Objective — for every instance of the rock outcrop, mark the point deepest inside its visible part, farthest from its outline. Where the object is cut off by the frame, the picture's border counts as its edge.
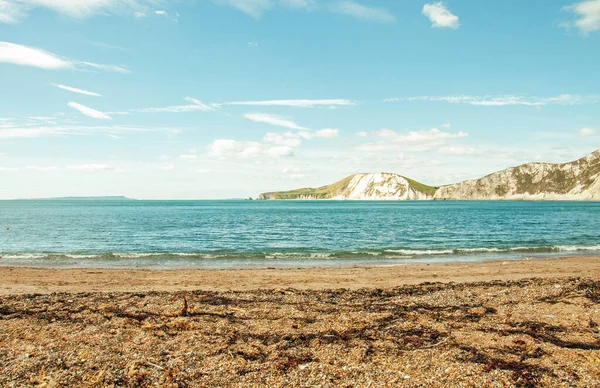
(577, 180)
(379, 186)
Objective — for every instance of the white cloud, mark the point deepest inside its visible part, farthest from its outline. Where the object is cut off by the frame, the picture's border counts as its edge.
(411, 140)
(586, 132)
(9, 12)
(166, 167)
(360, 11)
(76, 90)
(42, 168)
(194, 105)
(106, 45)
(447, 125)
(8, 169)
(506, 100)
(588, 15)
(161, 12)
(299, 4)
(94, 168)
(459, 150)
(140, 15)
(29, 130)
(110, 68)
(234, 149)
(440, 16)
(295, 103)
(287, 139)
(90, 112)
(164, 157)
(327, 133)
(73, 8)
(188, 156)
(272, 120)
(433, 134)
(174, 132)
(254, 8)
(362, 134)
(30, 56)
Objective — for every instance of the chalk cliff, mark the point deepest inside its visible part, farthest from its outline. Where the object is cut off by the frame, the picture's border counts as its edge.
(379, 186)
(577, 180)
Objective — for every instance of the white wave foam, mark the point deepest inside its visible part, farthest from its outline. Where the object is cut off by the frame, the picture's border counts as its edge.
(425, 252)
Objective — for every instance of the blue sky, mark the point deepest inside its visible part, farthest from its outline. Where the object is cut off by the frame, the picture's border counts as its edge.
(229, 98)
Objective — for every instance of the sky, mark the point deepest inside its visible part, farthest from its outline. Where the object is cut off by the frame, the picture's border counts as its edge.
(199, 99)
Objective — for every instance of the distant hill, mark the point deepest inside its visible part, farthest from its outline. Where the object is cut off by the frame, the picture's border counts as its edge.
(105, 198)
(362, 186)
(577, 180)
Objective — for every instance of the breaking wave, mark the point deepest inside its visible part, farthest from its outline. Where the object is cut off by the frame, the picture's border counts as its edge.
(225, 259)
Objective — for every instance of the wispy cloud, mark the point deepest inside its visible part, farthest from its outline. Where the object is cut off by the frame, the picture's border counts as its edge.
(76, 90)
(234, 149)
(95, 168)
(295, 103)
(106, 45)
(588, 15)
(587, 132)
(30, 56)
(417, 141)
(166, 167)
(327, 133)
(80, 9)
(42, 168)
(194, 105)
(254, 8)
(300, 4)
(360, 11)
(33, 129)
(563, 99)
(10, 12)
(90, 112)
(460, 150)
(110, 68)
(440, 16)
(287, 139)
(272, 120)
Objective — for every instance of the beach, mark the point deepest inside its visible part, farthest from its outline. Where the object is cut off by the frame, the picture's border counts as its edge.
(523, 323)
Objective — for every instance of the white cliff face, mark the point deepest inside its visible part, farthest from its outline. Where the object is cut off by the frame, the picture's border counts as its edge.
(379, 186)
(578, 180)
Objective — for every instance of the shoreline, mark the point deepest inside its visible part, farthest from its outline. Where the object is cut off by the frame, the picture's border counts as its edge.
(27, 280)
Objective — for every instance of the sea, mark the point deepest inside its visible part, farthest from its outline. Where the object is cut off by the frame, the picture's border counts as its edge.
(289, 234)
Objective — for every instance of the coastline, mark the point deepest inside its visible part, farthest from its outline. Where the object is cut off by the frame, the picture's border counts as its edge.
(24, 280)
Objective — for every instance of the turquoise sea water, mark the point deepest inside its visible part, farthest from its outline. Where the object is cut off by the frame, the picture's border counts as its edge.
(225, 234)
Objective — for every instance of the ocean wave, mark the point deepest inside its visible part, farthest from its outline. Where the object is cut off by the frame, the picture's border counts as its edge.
(150, 258)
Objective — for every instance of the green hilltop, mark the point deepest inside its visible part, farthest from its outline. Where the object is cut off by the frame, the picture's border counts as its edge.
(339, 188)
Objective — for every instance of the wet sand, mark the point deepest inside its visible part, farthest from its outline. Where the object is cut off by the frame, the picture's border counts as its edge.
(516, 324)
(31, 280)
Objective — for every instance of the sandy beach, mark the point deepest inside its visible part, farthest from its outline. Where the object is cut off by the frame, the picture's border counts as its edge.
(15, 280)
(525, 323)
